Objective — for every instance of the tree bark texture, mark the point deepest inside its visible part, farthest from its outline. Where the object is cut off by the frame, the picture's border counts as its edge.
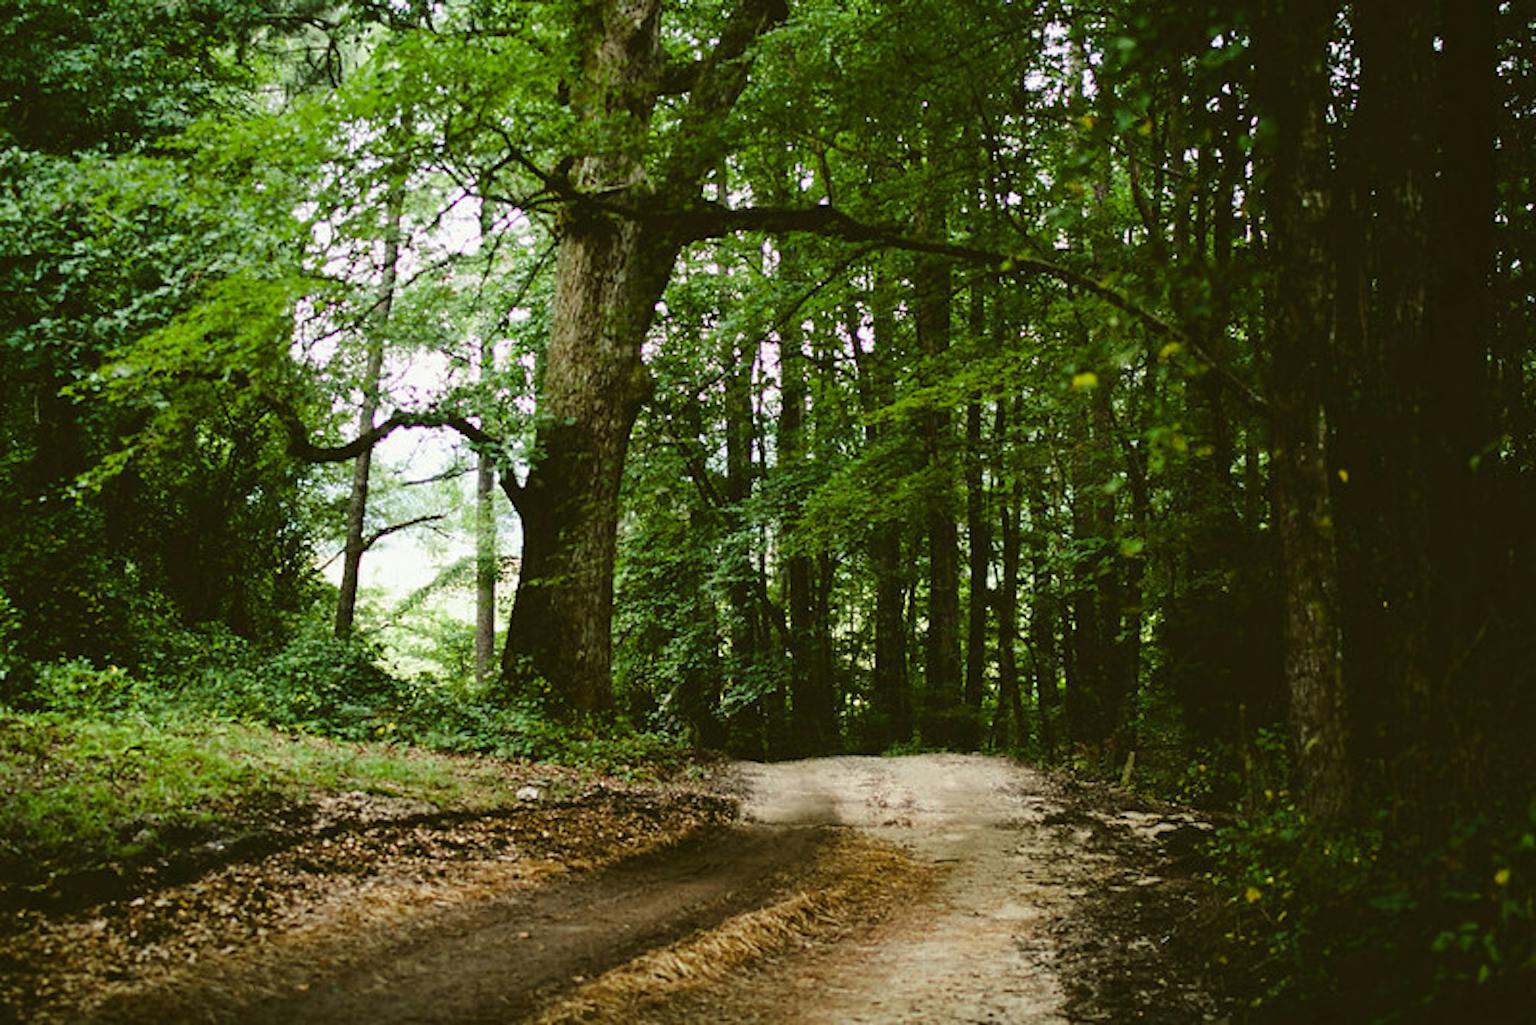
(1293, 94)
(610, 272)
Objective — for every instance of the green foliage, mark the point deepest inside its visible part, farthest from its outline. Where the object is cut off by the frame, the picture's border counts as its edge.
(10, 627)
(1370, 926)
(75, 74)
(139, 495)
(78, 688)
(667, 666)
(318, 686)
(86, 793)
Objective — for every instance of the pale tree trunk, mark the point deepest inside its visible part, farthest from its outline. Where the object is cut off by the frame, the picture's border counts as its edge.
(979, 532)
(485, 513)
(373, 369)
(1010, 728)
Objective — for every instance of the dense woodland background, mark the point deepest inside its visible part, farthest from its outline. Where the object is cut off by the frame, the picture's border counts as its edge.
(1138, 387)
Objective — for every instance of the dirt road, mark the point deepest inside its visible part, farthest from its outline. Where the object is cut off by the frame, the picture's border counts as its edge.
(998, 940)
(933, 888)
(979, 952)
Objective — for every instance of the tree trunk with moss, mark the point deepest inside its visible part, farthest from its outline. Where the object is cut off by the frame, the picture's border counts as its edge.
(611, 267)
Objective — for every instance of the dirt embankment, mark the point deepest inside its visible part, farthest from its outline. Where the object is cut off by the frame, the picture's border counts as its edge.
(935, 888)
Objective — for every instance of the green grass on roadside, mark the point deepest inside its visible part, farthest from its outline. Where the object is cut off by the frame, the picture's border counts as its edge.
(101, 767)
(83, 793)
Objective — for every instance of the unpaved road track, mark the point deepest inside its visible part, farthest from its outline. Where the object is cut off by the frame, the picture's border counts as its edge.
(980, 950)
(754, 923)
(1050, 911)
(499, 959)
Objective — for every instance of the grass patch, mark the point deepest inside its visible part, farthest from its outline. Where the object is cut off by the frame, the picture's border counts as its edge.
(85, 794)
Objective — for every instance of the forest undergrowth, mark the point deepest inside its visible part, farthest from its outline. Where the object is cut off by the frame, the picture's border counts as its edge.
(116, 784)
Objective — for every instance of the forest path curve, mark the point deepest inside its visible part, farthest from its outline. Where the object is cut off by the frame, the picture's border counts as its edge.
(873, 891)
(988, 945)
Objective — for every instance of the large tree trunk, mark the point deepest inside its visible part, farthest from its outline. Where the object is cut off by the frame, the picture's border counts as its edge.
(1293, 93)
(362, 466)
(1485, 717)
(608, 278)
(610, 271)
(1425, 558)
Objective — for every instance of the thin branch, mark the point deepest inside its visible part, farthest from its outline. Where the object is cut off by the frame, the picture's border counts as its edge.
(393, 528)
(452, 473)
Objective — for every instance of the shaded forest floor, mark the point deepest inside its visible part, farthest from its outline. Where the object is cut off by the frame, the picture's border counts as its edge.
(935, 888)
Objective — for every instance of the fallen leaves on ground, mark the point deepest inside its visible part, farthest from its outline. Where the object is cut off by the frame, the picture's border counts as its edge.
(343, 859)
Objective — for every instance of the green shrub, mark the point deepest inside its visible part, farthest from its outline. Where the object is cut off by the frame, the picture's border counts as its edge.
(79, 688)
(325, 687)
(1372, 928)
(10, 629)
(316, 683)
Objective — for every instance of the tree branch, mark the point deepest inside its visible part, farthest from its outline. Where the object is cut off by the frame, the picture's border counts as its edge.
(718, 81)
(452, 473)
(301, 447)
(709, 220)
(383, 532)
(678, 77)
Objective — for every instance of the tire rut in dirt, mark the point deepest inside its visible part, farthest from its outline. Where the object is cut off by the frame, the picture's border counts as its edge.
(502, 961)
